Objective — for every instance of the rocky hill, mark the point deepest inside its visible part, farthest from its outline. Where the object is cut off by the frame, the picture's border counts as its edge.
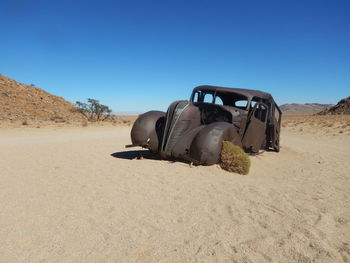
(21, 102)
(342, 107)
(307, 108)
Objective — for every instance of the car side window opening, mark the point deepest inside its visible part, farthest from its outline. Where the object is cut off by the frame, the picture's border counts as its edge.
(261, 112)
(196, 97)
(277, 114)
(252, 104)
(218, 101)
(233, 100)
(241, 104)
(208, 98)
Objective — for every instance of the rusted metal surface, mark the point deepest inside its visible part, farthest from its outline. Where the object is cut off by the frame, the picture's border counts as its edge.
(193, 130)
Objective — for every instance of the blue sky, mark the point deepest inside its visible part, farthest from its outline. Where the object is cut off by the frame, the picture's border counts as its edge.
(140, 55)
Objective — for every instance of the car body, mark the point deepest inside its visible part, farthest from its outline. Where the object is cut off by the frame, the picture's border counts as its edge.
(194, 129)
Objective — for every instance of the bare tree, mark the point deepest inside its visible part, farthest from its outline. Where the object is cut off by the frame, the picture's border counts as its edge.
(93, 110)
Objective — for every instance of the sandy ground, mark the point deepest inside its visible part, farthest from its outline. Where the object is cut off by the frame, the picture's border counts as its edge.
(73, 195)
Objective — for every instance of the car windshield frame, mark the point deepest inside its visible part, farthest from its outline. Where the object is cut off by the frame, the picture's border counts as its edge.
(228, 98)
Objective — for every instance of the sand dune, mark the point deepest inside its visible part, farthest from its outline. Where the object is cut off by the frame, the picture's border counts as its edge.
(75, 195)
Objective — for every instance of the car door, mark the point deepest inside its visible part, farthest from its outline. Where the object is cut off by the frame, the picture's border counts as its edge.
(277, 126)
(255, 132)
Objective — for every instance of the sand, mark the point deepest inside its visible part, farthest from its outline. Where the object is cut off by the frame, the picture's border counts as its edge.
(73, 195)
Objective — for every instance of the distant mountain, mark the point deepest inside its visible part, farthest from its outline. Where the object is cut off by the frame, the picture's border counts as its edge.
(342, 107)
(307, 108)
(20, 101)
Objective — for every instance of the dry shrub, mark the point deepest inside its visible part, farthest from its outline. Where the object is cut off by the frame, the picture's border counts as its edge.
(234, 159)
(92, 110)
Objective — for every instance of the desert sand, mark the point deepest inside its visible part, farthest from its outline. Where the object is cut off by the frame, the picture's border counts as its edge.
(75, 194)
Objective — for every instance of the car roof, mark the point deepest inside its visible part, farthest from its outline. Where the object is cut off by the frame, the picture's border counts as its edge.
(245, 92)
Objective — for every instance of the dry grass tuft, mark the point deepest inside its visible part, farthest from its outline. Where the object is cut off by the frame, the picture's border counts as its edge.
(234, 159)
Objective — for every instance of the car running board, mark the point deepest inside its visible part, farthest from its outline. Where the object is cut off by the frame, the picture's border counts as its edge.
(133, 145)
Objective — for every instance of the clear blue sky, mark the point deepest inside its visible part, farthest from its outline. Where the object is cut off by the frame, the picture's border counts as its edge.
(140, 55)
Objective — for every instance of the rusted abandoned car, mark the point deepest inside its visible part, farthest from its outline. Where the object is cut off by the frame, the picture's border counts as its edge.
(194, 129)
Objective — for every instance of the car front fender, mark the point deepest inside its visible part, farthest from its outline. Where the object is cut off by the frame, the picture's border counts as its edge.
(147, 130)
(207, 144)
